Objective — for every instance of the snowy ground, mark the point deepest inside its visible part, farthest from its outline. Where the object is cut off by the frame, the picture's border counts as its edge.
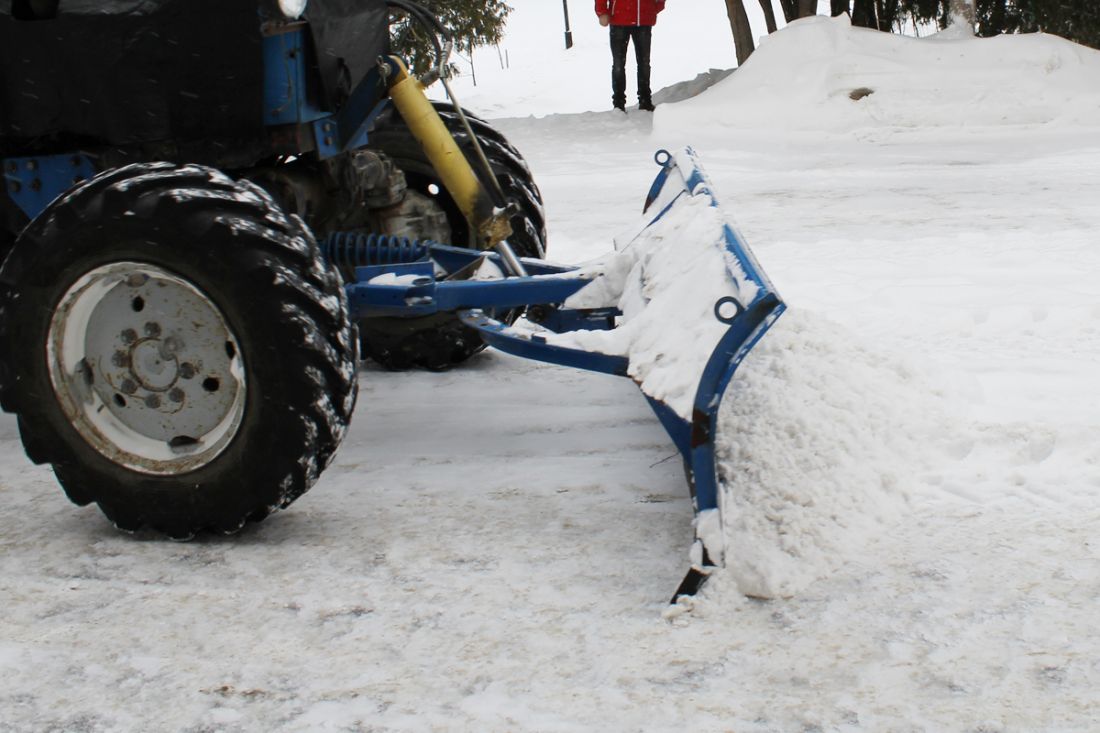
(914, 481)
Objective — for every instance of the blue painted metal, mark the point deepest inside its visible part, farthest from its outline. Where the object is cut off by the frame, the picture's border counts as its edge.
(677, 428)
(366, 102)
(326, 137)
(663, 159)
(32, 183)
(560, 320)
(289, 98)
(423, 294)
(291, 95)
(747, 324)
(743, 334)
(531, 346)
(347, 130)
(750, 322)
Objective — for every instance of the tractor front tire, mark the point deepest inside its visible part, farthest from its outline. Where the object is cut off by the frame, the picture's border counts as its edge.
(177, 348)
(442, 341)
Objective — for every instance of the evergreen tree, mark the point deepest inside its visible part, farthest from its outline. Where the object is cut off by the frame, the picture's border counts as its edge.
(470, 23)
(1077, 20)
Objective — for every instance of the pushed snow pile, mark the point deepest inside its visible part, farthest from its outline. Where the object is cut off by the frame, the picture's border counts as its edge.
(666, 281)
(822, 74)
(821, 443)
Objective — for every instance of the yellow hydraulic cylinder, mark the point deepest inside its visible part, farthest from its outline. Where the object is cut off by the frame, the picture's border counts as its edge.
(450, 164)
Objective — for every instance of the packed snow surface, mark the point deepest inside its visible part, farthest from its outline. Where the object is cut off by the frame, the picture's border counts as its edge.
(910, 458)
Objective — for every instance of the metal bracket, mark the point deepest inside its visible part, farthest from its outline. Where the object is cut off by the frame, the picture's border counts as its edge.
(32, 183)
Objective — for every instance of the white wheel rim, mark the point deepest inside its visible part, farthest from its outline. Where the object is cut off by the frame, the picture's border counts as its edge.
(146, 368)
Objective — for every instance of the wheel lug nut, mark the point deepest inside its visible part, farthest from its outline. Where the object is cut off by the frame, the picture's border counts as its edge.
(170, 347)
(186, 370)
(128, 386)
(176, 395)
(129, 336)
(137, 279)
(152, 330)
(152, 402)
(121, 359)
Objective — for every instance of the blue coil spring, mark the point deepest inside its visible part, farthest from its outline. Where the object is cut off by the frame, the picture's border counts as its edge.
(348, 249)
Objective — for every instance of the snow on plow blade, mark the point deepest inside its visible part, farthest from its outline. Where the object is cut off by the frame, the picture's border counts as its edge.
(676, 308)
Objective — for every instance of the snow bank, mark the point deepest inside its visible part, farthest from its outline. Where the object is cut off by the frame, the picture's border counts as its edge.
(823, 75)
(822, 440)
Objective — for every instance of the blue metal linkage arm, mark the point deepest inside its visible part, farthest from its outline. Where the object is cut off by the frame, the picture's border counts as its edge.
(420, 284)
(532, 346)
(423, 295)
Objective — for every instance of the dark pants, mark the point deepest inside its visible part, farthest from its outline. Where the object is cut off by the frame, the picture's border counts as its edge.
(621, 36)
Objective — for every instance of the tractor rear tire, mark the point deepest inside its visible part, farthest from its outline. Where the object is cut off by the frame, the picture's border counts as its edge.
(441, 341)
(177, 348)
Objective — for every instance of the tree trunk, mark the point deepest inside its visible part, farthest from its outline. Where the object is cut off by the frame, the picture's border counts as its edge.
(863, 14)
(795, 9)
(887, 14)
(790, 9)
(742, 32)
(839, 7)
(769, 15)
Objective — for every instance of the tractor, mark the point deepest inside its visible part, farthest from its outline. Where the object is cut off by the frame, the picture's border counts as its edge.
(212, 211)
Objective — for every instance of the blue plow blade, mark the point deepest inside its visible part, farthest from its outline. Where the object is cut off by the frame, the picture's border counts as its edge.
(676, 308)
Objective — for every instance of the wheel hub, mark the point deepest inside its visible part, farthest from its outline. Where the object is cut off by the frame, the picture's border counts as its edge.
(147, 368)
(153, 364)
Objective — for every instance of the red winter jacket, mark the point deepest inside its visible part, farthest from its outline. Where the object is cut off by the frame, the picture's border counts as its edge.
(630, 12)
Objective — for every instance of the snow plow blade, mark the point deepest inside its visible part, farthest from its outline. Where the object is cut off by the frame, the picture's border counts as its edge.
(676, 309)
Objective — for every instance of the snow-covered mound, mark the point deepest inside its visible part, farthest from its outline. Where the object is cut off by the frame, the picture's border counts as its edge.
(822, 440)
(821, 74)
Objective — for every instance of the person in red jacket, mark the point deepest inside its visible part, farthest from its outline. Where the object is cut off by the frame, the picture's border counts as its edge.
(630, 20)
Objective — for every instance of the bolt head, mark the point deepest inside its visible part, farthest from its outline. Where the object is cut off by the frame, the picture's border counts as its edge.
(170, 347)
